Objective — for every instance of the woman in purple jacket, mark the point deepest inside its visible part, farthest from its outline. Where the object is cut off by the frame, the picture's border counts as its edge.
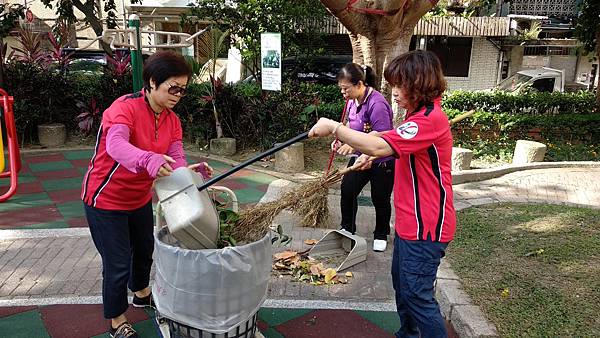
(368, 111)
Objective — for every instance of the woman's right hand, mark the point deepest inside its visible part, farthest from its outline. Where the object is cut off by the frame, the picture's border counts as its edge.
(165, 169)
(363, 162)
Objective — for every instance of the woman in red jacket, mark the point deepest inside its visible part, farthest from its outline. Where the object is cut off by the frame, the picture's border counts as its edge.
(425, 216)
(140, 138)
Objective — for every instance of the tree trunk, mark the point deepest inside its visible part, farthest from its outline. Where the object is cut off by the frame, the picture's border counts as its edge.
(88, 10)
(597, 71)
(382, 33)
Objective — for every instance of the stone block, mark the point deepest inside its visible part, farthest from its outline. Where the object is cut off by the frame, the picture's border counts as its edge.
(528, 152)
(224, 146)
(52, 135)
(290, 159)
(461, 158)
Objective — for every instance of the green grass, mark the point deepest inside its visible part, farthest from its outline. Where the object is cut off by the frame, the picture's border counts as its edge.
(533, 269)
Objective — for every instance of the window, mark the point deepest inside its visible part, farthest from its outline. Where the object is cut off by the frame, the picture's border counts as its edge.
(544, 85)
(454, 53)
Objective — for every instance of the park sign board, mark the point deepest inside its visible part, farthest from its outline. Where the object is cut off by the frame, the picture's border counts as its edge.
(270, 59)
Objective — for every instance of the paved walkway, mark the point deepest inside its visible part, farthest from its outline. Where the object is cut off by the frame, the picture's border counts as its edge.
(60, 266)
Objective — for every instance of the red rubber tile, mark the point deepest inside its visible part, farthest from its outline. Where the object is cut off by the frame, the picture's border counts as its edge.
(9, 311)
(23, 217)
(81, 321)
(63, 196)
(331, 323)
(29, 188)
(54, 174)
(81, 163)
(262, 326)
(78, 222)
(39, 158)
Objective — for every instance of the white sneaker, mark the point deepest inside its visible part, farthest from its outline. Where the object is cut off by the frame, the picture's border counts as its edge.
(379, 245)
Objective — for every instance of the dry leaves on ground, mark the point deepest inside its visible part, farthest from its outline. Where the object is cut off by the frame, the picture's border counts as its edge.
(305, 269)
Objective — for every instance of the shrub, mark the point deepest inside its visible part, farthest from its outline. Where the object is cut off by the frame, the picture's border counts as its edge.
(532, 103)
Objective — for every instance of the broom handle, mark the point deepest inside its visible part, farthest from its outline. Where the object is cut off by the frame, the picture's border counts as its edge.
(253, 160)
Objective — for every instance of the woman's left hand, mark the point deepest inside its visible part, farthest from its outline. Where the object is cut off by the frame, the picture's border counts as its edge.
(345, 150)
(203, 168)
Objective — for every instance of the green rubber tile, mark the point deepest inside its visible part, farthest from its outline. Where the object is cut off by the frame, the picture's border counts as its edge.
(78, 154)
(275, 317)
(220, 167)
(48, 225)
(388, 321)
(365, 201)
(71, 209)
(23, 325)
(83, 170)
(272, 333)
(25, 201)
(146, 328)
(257, 179)
(249, 195)
(23, 178)
(104, 335)
(48, 166)
(62, 184)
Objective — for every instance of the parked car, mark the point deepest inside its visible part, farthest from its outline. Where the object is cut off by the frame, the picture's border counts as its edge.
(541, 79)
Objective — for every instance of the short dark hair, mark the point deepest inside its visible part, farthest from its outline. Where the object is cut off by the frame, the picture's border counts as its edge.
(355, 73)
(162, 65)
(418, 74)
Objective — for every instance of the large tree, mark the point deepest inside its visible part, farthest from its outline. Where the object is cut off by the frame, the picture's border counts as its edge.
(587, 30)
(379, 30)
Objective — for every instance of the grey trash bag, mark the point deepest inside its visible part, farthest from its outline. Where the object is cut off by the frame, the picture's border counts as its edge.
(213, 290)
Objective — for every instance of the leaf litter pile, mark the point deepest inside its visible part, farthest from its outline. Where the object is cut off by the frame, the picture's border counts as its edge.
(307, 269)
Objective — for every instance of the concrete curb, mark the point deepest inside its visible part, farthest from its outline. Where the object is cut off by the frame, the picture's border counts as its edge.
(457, 307)
(475, 175)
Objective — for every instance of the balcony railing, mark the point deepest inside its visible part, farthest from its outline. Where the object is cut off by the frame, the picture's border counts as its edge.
(449, 26)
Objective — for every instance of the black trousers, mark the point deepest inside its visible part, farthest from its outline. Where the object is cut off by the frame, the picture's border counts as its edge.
(125, 242)
(381, 176)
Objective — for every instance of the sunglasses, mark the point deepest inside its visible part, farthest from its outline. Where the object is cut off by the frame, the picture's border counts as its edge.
(174, 90)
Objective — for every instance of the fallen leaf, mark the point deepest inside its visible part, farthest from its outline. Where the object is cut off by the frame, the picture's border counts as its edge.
(314, 269)
(279, 266)
(285, 255)
(349, 274)
(505, 293)
(329, 274)
(343, 281)
(310, 241)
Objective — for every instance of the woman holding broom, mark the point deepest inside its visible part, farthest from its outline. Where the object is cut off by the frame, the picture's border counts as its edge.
(368, 111)
(425, 217)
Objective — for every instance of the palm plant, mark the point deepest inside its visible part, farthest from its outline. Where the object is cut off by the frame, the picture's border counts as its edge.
(30, 50)
(213, 50)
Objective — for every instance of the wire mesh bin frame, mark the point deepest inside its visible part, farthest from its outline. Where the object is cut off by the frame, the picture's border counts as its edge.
(175, 329)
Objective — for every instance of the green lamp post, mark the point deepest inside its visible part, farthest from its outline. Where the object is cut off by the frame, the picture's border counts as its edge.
(136, 52)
